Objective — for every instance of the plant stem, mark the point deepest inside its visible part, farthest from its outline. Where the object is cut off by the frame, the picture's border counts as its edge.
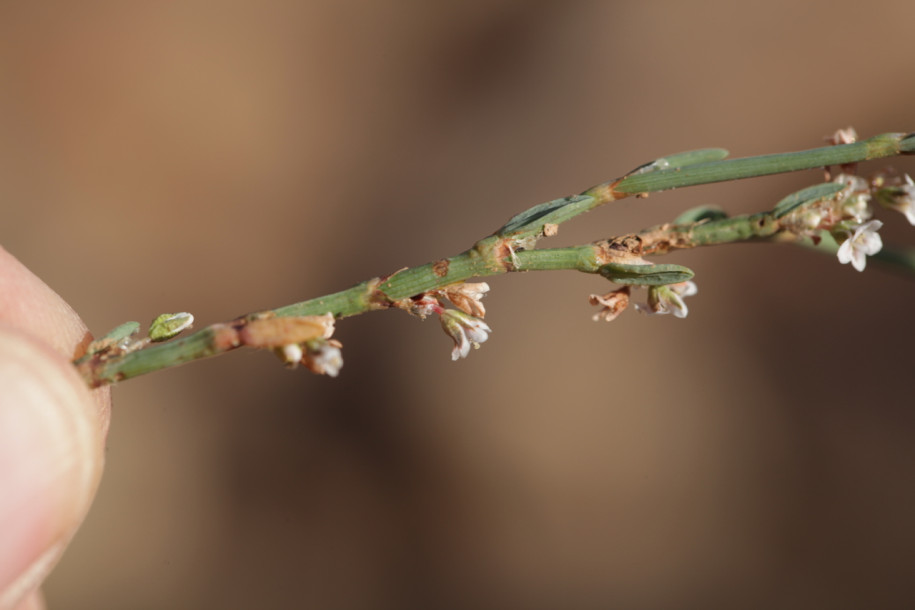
(885, 145)
(510, 249)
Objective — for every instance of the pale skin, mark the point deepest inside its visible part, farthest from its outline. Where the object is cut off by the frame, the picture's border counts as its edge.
(52, 432)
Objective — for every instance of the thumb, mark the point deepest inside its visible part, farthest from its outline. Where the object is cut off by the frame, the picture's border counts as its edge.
(51, 454)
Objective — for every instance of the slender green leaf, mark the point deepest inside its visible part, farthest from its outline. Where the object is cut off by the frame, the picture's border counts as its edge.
(646, 275)
(682, 159)
(806, 196)
(703, 212)
(121, 332)
(553, 212)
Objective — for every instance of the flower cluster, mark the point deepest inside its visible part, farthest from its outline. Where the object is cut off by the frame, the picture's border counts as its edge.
(853, 229)
(612, 304)
(320, 356)
(296, 340)
(662, 300)
(465, 330)
(847, 215)
(895, 193)
(323, 356)
(669, 299)
(465, 324)
(840, 213)
(467, 297)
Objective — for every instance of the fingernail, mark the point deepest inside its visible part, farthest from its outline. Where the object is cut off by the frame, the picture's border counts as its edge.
(50, 460)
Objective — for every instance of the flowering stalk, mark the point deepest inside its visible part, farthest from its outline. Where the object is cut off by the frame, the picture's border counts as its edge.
(301, 332)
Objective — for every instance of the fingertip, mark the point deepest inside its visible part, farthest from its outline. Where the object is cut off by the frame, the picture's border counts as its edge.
(32, 601)
(27, 303)
(51, 455)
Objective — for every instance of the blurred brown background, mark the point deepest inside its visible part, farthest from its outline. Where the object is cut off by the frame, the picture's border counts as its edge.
(228, 157)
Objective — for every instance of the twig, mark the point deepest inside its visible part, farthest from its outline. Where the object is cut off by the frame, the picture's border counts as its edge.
(420, 290)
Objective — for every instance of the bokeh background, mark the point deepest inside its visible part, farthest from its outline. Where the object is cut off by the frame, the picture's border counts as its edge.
(221, 158)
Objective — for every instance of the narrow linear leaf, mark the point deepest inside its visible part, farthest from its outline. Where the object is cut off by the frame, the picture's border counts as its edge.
(907, 145)
(695, 157)
(113, 337)
(554, 212)
(806, 196)
(682, 159)
(121, 332)
(646, 275)
(703, 212)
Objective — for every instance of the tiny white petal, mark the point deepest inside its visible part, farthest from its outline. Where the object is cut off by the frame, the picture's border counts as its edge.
(669, 299)
(872, 244)
(477, 336)
(463, 349)
(460, 343)
(677, 306)
(909, 211)
(687, 288)
(292, 353)
(871, 226)
(465, 330)
(907, 201)
(845, 252)
(331, 360)
(478, 333)
(479, 289)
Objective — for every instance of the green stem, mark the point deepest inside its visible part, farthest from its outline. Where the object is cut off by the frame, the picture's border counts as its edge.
(510, 249)
(885, 145)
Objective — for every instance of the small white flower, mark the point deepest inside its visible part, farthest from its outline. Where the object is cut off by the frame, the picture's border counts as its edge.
(425, 305)
(807, 220)
(843, 136)
(669, 299)
(291, 354)
(899, 195)
(468, 297)
(906, 202)
(854, 200)
(323, 356)
(864, 241)
(465, 330)
(856, 207)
